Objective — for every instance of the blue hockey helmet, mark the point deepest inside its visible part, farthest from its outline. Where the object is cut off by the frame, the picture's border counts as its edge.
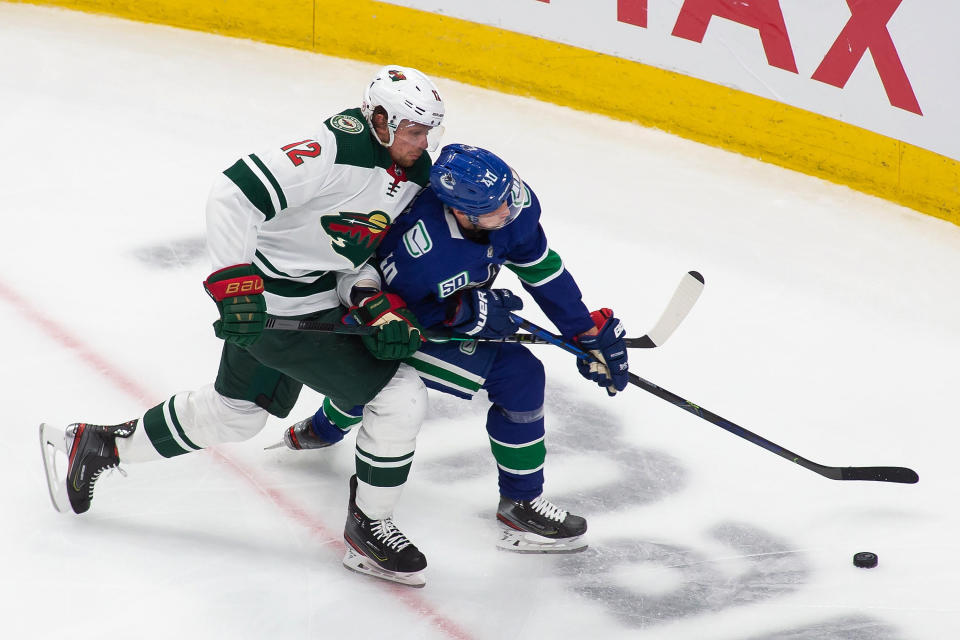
(476, 182)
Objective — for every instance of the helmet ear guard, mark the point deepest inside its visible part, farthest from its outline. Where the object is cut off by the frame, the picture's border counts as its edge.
(476, 182)
(403, 93)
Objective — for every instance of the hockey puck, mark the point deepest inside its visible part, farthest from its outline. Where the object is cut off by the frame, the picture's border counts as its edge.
(865, 560)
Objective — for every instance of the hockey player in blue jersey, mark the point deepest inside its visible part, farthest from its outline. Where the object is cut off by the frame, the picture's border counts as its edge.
(441, 257)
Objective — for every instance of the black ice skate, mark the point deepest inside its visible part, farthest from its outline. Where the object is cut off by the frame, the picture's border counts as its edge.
(379, 549)
(302, 436)
(538, 526)
(90, 450)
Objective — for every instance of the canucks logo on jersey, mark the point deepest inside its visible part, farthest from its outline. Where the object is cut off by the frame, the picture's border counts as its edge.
(356, 236)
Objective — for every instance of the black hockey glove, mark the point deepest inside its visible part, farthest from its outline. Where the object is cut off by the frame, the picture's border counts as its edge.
(484, 313)
(400, 333)
(610, 369)
(238, 292)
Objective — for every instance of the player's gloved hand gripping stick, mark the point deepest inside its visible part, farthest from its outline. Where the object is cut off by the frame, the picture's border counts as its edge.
(876, 474)
(396, 334)
(608, 367)
(484, 313)
(238, 292)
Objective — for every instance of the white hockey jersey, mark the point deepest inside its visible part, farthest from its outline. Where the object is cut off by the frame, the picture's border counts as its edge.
(308, 215)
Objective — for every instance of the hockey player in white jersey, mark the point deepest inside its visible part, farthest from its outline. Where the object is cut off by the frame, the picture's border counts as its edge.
(289, 232)
(442, 256)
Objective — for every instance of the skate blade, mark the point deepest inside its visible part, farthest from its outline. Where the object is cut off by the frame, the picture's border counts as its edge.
(526, 542)
(362, 564)
(55, 452)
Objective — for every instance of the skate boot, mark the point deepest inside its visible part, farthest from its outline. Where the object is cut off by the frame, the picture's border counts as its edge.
(378, 548)
(538, 526)
(90, 449)
(302, 436)
(319, 430)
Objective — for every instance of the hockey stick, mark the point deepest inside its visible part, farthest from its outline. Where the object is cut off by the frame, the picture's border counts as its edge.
(685, 296)
(431, 335)
(876, 474)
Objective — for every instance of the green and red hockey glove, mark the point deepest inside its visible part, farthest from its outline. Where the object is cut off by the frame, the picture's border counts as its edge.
(400, 333)
(610, 369)
(238, 292)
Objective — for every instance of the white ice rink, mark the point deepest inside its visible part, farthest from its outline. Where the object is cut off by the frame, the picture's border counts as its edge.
(830, 324)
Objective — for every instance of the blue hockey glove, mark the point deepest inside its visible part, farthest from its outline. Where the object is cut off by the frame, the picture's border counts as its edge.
(485, 313)
(610, 369)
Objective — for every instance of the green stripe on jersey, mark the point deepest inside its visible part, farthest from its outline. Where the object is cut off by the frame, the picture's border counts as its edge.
(297, 288)
(252, 187)
(282, 199)
(442, 374)
(277, 272)
(519, 459)
(540, 271)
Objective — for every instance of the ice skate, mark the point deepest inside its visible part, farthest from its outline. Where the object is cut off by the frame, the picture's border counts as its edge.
(86, 451)
(306, 434)
(379, 549)
(538, 526)
(303, 436)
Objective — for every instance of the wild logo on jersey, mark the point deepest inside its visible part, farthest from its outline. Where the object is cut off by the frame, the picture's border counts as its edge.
(356, 236)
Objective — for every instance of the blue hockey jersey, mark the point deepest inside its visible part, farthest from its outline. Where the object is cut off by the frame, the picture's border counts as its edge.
(426, 258)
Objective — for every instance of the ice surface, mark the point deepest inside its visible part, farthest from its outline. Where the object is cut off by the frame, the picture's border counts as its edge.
(830, 324)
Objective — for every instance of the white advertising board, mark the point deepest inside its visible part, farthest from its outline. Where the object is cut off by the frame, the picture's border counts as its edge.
(889, 66)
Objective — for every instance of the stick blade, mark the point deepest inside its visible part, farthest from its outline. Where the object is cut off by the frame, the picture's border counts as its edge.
(686, 295)
(880, 474)
(643, 342)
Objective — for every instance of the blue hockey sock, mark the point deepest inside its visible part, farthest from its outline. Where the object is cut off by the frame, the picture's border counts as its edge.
(331, 423)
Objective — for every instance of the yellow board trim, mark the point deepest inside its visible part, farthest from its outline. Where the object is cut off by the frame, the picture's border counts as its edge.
(569, 76)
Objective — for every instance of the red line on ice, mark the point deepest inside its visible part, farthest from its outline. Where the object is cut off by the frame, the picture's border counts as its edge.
(284, 503)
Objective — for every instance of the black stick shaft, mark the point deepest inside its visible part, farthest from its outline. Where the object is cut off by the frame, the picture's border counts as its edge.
(876, 474)
(287, 324)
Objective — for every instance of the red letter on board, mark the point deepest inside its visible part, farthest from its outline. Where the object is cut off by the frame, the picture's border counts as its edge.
(867, 29)
(763, 15)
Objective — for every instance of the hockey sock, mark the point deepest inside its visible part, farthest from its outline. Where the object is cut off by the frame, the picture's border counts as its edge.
(517, 442)
(331, 423)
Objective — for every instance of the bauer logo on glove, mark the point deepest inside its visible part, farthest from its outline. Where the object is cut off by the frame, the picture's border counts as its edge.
(609, 367)
(238, 293)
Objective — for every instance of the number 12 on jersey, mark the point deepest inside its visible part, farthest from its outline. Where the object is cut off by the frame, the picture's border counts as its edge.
(297, 151)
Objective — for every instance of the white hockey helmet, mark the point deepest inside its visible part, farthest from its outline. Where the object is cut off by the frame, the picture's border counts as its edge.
(405, 94)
